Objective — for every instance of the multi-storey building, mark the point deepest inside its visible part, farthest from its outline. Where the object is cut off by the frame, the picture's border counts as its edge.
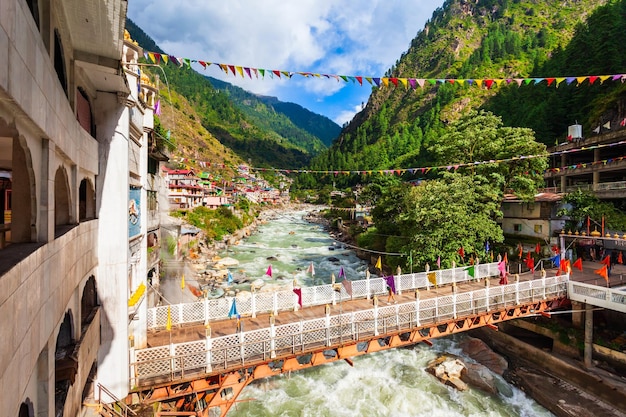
(185, 190)
(77, 169)
(596, 163)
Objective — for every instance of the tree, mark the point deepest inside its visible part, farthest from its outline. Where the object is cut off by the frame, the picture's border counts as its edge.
(580, 205)
(481, 137)
(437, 218)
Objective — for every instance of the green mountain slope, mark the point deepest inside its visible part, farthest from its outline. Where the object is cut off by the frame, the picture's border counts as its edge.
(489, 39)
(242, 121)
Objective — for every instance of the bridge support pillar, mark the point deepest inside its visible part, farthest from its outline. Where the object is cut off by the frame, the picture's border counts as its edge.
(588, 335)
(578, 316)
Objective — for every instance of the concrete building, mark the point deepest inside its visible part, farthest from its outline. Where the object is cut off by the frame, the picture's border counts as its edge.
(595, 163)
(185, 190)
(533, 220)
(75, 146)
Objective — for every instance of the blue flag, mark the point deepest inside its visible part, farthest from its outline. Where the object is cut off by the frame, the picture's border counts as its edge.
(556, 260)
(230, 278)
(233, 309)
(487, 246)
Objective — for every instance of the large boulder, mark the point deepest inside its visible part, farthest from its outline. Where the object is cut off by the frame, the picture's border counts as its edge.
(448, 369)
(481, 353)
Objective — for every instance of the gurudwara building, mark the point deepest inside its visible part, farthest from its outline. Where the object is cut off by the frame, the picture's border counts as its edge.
(78, 177)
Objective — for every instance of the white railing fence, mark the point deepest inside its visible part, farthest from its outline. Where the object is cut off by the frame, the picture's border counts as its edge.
(231, 351)
(610, 298)
(251, 304)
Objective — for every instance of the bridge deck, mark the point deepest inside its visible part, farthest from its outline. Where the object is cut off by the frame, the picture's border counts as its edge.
(191, 332)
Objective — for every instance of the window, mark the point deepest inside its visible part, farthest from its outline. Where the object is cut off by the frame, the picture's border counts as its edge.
(33, 5)
(152, 201)
(538, 228)
(517, 227)
(59, 61)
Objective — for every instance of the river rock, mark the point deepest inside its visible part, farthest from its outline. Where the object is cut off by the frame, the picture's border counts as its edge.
(479, 376)
(481, 353)
(448, 369)
(333, 259)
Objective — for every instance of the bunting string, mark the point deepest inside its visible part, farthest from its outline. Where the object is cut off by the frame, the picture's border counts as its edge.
(428, 169)
(413, 83)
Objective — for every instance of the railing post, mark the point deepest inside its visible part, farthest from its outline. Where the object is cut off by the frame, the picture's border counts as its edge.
(133, 367)
(179, 307)
(206, 310)
(417, 308)
(253, 304)
(487, 294)
(398, 281)
(454, 303)
(376, 333)
(516, 289)
(172, 361)
(272, 338)
(275, 302)
(208, 346)
(367, 285)
(327, 322)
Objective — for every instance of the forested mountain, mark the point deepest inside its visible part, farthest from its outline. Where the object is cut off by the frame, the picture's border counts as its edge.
(479, 39)
(258, 129)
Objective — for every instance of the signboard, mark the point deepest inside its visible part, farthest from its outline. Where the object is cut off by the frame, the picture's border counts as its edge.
(134, 224)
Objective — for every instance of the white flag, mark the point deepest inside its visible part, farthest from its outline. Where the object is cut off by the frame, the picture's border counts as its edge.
(596, 130)
(607, 125)
(311, 269)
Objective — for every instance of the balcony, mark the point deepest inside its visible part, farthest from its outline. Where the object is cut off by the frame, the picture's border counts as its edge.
(602, 190)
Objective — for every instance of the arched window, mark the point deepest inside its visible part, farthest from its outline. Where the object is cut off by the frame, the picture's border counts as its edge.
(59, 61)
(33, 6)
(26, 409)
(84, 114)
(61, 198)
(86, 201)
(89, 300)
(65, 365)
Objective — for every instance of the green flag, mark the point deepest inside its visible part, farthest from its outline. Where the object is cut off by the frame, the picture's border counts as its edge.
(470, 271)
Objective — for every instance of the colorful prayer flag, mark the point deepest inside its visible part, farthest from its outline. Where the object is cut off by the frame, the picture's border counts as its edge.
(182, 282)
(606, 261)
(470, 271)
(579, 264)
(269, 271)
(311, 269)
(233, 309)
(462, 252)
(538, 247)
(342, 274)
(603, 272)
(432, 278)
(298, 292)
(379, 264)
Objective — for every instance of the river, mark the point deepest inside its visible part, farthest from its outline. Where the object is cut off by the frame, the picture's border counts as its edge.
(389, 383)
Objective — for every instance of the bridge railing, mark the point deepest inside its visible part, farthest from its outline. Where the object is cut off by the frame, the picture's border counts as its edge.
(610, 298)
(251, 304)
(207, 355)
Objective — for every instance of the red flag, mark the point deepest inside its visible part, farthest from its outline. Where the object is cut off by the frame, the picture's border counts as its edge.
(603, 272)
(538, 247)
(506, 258)
(606, 261)
(579, 264)
(298, 292)
(564, 266)
(462, 252)
(520, 250)
(269, 271)
(530, 263)
(620, 260)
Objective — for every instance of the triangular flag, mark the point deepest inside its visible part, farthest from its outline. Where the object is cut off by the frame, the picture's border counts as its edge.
(168, 323)
(606, 261)
(506, 258)
(620, 259)
(182, 282)
(269, 271)
(311, 269)
(432, 278)
(607, 125)
(470, 271)
(578, 264)
(556, 260)
(233, 309)
(347, 284)
(439, 262)
(342, 274)
(462, 252)
(538, 247)
(379, 264)
(298, 292)
(603, 272)
(230, 278)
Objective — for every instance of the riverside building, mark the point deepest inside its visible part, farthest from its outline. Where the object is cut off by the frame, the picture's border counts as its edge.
(78, 177)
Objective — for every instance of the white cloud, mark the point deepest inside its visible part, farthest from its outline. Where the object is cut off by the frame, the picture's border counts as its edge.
(328, 36)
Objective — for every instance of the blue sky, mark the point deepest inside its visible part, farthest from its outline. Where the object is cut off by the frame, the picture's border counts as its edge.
(357, 37)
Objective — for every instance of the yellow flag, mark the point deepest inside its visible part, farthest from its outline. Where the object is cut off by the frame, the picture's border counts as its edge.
(379, 263)
(182, 283)
(432, 278)
(168, 324)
